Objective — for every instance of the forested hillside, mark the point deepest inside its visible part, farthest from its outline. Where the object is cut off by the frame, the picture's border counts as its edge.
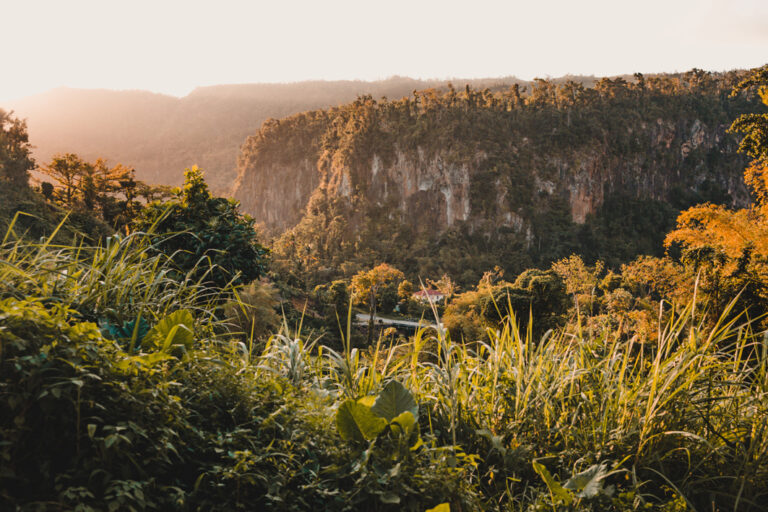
(160, 135)
(459, 180)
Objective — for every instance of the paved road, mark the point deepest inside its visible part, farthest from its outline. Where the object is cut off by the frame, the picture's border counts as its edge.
(363, 318)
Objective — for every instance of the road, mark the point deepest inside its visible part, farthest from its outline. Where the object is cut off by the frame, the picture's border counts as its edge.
(363, 318)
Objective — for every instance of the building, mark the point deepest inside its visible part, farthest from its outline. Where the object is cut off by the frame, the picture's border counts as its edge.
(429, 296)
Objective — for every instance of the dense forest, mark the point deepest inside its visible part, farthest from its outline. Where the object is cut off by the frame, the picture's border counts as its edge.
(157, 353)
(458, 181)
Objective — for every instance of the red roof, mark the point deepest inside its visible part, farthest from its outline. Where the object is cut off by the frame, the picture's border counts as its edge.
(430, 293)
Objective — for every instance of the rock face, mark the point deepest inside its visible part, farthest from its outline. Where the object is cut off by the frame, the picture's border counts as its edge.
(277, 195)
(457, 183)
(438, 187)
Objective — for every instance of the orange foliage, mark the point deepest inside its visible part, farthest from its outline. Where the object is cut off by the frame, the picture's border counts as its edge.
(756, 178)
(727, 236)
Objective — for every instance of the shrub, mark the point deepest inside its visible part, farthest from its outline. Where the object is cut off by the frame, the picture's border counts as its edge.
(205, 234)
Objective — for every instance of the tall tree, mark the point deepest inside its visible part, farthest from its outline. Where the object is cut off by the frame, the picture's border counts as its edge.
(370, 287)
(69, 171)
(194, 228)
(755, 140)
(15, 158)
(729, 249)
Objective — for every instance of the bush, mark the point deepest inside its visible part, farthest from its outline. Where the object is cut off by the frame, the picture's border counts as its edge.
(205, 234)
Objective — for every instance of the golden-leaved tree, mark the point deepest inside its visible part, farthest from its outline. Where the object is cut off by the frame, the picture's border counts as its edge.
(729, 249)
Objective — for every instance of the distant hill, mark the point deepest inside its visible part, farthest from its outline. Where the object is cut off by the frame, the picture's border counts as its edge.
(458, 181)
(160, 135)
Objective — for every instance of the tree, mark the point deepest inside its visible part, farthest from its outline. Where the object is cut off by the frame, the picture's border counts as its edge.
(333, 302)
(538, 294)
(106, 184)
(754, 126)
(728, 249)
(15, 151)
(97, 189)
(196, 228)
(580, 280)
(405, 290)
(68, 170)
(369, 287)
(444, 285)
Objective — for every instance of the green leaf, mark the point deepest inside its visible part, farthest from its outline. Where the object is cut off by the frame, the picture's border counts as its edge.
(367, 400)
(394, 400)
(403, 423)
(588, 483)
(146, 360)
(356, 422)
(418, 444)
(496, 441)
(558, 493)
(443, 507)
(175, 329)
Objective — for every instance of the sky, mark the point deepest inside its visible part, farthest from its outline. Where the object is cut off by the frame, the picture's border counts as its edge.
(171, 46)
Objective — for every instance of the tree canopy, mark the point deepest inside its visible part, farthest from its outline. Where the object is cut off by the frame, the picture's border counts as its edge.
(729, 248)
(194, 226)
(15, 151)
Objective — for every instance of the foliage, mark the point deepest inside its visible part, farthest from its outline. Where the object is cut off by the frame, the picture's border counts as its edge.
(365, 419)
(619, 423)
(253, 315)
(580, 280)
(15, 152)
(535, 294)
(754, 126)
(95, 190)
(333, 303)
(122, 388)
(367, 287)
(522, 199)
(196, 227)
(727, 249)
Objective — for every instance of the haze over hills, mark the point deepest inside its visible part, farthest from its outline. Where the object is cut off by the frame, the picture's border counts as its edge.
(160, 135)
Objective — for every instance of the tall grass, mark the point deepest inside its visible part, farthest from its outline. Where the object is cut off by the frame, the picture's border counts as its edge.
(119, 280)
(682, 416)
(685, 415)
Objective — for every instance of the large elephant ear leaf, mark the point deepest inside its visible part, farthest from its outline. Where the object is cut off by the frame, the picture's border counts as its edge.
(394, 400)
(403, 423)
(173, 330)
(356, 422)
(588, 483)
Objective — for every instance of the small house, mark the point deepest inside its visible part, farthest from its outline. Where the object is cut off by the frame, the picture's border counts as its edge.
(429, 296)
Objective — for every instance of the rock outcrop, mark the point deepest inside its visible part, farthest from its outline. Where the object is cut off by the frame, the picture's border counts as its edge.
(510, 172)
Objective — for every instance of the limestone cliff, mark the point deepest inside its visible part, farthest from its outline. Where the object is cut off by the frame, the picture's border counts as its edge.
(494, 166)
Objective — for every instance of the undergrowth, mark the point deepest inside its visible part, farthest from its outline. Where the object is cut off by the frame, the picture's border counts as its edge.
(122, 388)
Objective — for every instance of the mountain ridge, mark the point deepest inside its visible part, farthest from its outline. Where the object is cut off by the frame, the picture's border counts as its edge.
(460, 180)
(160, 134)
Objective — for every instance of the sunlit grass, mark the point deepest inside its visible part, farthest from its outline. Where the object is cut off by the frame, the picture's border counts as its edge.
(681, 416)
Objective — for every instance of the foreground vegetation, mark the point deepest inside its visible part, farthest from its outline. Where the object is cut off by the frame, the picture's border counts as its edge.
(122, 390)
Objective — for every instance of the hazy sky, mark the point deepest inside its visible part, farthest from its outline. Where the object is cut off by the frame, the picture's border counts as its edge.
(173, 46)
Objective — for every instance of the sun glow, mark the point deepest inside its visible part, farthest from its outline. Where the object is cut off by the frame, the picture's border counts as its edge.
(174, 46)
